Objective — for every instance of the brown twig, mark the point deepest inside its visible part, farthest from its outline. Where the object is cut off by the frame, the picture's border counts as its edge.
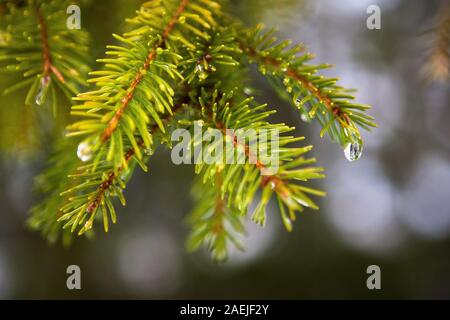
(111, 176)
(308, 85)
(48, 66)
(278, 184)
(114, 122)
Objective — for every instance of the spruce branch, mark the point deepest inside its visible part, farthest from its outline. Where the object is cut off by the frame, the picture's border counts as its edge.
(35, 42)
(48, 67)
(113, 123)
(230, 187)
(90, 204)
(105, 178)
(243, 178)
(316, 96)
(213, 222)
(138, 83)
(93, 187)
(44, 216)
(185, 65)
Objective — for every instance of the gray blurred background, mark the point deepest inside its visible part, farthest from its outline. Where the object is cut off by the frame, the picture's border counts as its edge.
(391, 208)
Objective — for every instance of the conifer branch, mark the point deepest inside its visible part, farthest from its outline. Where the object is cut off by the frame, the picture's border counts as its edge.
(243, 179)
(315, 96)
(105, 182)
(138, 85)
(229, 188)
(214, 223)
(188, 55)
(113, 175)
(53, 180)
(37, 44)
(106, 178)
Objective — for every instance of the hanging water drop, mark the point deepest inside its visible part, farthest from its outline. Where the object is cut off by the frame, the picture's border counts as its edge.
(353, 151)
(43, 90)
(84, 151)
(305, 117)
(200, 70)
(88, 225)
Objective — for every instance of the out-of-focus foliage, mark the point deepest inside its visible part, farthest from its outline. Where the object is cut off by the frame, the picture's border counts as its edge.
(273, 12)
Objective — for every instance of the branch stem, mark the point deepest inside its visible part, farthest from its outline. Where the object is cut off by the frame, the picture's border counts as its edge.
(129, 154)
(293, 74)
(48, 67)
(114, 122)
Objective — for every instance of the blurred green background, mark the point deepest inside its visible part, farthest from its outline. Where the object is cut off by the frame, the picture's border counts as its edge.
(391, 208)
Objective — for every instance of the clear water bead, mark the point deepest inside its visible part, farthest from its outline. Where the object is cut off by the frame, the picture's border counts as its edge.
(84, 151)
(201, 72)
(88, 225)
(43, 90)
(353, 151)
(305, 117)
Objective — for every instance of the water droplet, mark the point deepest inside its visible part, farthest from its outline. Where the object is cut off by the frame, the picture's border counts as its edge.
(84, 151)
(305, 117)
(148, 152)
(43, 90)
(200, 70)
(125, 175)
(248, 91)
(353, 151)
(272, 185)
(182, 19)
(159, 50)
